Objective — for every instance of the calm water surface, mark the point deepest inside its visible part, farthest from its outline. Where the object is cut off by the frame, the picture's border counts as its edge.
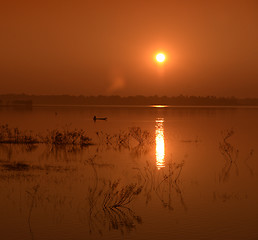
(152, 173)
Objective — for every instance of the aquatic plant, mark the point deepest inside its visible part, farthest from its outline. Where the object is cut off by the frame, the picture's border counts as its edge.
(141, 136)
(162, 183)
(32, 194)
(108, 203)
(16, 136)
(115, 141)
(230, 154)
(54, 137)
(67, 137)
(123, 219)
(134, 139)
(249, 156)
(115, 197)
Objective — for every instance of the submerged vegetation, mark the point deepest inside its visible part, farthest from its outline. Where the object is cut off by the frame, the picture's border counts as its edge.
(229, 152)
(53, 137)
(16, 136)
(231, 156)
(108, 203)
(115, 197)
(67, 137)
(133, 137)
(163, 183)
(90, 185)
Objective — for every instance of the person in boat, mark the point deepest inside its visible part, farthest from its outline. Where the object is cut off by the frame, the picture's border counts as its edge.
(95, 118)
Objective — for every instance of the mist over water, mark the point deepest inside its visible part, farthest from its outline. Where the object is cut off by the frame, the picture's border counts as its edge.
(144, 173)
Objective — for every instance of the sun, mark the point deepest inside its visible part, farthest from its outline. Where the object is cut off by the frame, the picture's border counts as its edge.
(160, 57)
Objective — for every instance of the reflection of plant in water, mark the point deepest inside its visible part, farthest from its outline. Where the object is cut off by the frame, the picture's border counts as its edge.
(66, 153)
(142, 137)
(134, 139)
(162, 182)
(108, 202)
(14, 135)
(249, 156)
(196, 140)
(64, 142)
(109, 205)
(19, 166)
(9, 151)
(116, 141)
(32, 195)
(114, 198)
(139, 150)
(53, 137)
(15, 166)
(67, 137)
(224, 197)
(230, 154)
(121, 218)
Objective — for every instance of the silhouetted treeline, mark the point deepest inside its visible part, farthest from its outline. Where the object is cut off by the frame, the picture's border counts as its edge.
(23, 99)
(10, 100)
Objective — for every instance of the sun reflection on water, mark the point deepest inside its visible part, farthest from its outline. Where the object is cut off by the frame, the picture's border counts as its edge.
(159, 106)
(160, 143)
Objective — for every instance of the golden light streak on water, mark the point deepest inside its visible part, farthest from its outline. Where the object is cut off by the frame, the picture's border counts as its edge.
(159, 106)
(160, 143)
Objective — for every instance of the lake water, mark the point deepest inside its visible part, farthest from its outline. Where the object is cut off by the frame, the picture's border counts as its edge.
(152, 173)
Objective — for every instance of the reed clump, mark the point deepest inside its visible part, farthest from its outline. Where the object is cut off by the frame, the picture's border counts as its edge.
(67, 137)
(134, 137)
(136, 140)
(16, 136)
(141, 136)
(53, 137)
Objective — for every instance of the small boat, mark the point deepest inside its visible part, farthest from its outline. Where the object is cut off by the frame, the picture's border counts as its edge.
(99, 118)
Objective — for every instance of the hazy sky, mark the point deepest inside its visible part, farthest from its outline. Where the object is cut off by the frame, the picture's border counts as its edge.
(108, 47)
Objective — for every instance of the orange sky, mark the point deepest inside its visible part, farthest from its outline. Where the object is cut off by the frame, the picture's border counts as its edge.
(108, 47)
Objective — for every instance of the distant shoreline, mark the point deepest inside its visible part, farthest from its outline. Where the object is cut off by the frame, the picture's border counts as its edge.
(128, 106)
(23, 100)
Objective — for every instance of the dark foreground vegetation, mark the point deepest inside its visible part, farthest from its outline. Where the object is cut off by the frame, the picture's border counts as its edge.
(75, 137)
(181, 100)
(53, 137)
